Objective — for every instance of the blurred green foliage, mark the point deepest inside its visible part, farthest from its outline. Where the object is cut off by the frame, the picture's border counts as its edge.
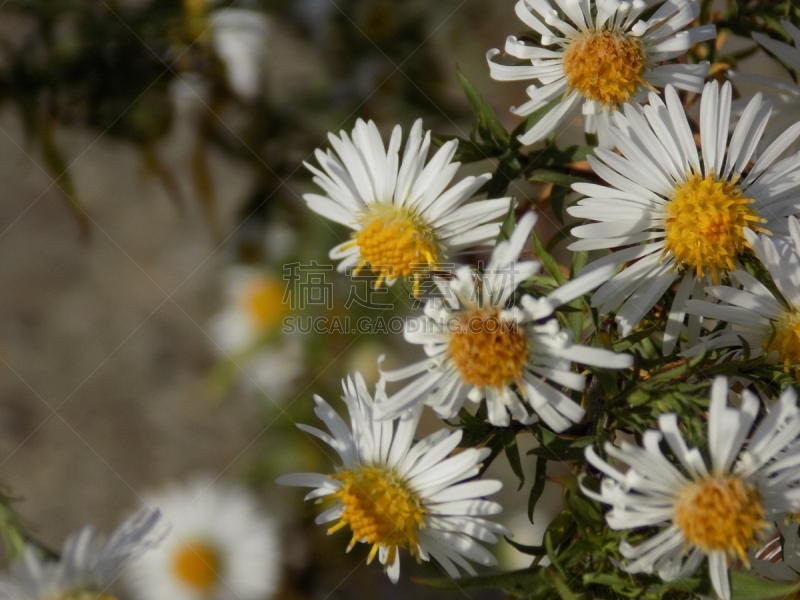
(113, 67)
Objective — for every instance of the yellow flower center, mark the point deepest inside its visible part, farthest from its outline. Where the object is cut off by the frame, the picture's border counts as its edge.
(264, 304)
(487, 351)
(605, 66)
(197, 565)
(786, 339)
(380, 509)
(721, 513)
(704, 223)
(395, 242)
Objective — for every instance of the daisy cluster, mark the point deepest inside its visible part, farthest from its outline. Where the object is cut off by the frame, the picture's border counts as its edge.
(682, 264)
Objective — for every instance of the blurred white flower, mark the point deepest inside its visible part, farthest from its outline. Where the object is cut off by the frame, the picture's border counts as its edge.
(254, 309)
(240, 40)
(274, 371)
(190, 93)
(280, 240)
(247, 330)
(216, 545)
(88, 564)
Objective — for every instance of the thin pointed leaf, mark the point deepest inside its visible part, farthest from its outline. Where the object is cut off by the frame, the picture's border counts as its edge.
(489, 126)
(547, 260)
(511, 449)
(540, 479)
(59, 171)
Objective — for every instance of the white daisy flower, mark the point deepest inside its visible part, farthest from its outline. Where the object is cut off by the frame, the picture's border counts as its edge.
(255, 306)
(404, 222)
(719, 512)
(598, 55)
(216, 545)
(478, 348)
(784, 96)
(393, 493)
(88, 566)
(768, 324)
(691, 215)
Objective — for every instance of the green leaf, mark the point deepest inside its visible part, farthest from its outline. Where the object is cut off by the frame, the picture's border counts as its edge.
(575, 319)
(547, 260)
(773, 23)
(508, 169)
(11, 530)
(584, 511)
(489, 126)
(540, 479)
(749, 587)
(508, 224)
(575, 322)
(683, 369)
(548, 539)
(634, 338)
(529, 550)
(553, 447)
(579, 260)
(527, 582)
(509, 437)
(558, 196)
(559, 532)
(606, 579)
(59, 171)
(664, 588)
(562, 588)
(555, 156)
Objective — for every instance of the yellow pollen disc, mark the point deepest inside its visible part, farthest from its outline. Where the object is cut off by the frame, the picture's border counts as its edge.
(197, 565)
(721, 513)
(785, 339)
(263, 301)
(605, 66)
(487, 351)
(395, 242)
(704, 223)
(380, 510)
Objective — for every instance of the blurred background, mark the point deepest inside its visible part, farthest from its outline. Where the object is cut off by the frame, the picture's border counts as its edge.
(151, 159)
